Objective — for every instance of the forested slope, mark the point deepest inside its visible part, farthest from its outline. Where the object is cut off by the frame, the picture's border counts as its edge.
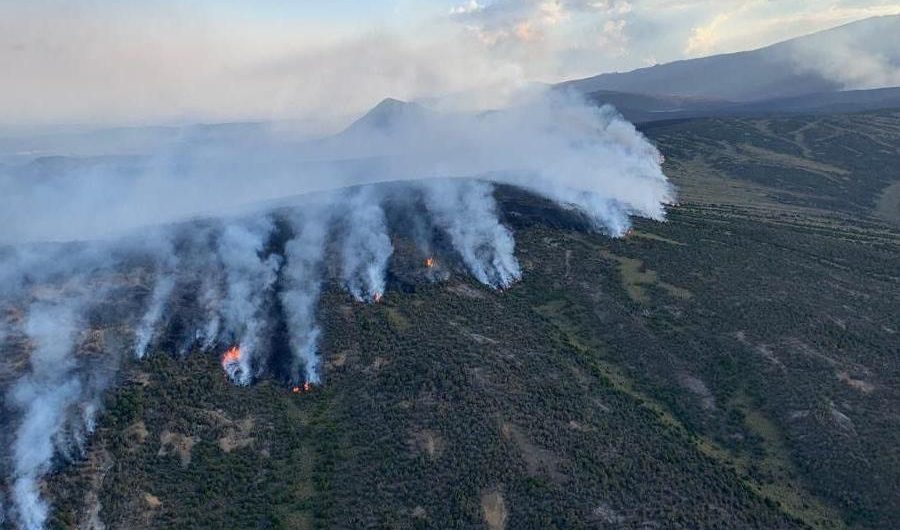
(733, 367)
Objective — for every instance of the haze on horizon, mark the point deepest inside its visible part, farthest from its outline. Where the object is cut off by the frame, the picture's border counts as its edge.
(99, 62)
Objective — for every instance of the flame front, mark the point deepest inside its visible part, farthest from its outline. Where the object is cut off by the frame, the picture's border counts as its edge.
(232, 356)
(377, 297)
(297, 389)
(429, 263)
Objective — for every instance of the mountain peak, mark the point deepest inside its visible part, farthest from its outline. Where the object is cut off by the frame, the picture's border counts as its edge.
(391, 103)
(388, 114)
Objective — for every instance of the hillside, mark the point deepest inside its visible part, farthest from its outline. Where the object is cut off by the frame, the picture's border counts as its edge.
(821, 62)
(641, 108)
(733, 367)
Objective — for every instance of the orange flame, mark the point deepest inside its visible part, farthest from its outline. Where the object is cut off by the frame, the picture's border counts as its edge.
(429, 262)
(233, 355)
(307, 386)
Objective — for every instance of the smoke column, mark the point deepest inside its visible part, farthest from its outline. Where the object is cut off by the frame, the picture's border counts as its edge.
(161, 248)
(597, 162)
(148, 325)
(249, 278)
(467, 211)
(44, 395)
(366, 247)
(209, 304)
(555, 144)
(201, 272)
(302, 273)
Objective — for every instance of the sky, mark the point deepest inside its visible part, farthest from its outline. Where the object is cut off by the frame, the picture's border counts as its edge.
(167, 61)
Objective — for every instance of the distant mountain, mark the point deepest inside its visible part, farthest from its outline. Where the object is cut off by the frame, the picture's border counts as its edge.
(387, 115)
(863, 54)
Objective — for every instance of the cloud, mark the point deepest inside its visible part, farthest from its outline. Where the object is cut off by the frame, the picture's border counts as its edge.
(614, 38)
(548, 39)
(469, 7)
(738, 25)
(705, 38)
(500, 20)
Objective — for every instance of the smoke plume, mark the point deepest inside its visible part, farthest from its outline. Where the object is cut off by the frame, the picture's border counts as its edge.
(553, 143)
(43, 396)
(209, 302)
(162, 290)
(467, 211)
(249, 276)
(366, 246)
(303, 274)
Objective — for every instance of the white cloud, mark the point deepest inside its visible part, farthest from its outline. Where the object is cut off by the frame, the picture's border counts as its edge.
(469, 7)
(736, 25)
(705, 38)
(613, 39)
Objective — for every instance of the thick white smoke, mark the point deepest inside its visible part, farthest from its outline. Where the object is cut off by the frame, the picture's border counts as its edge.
(467, 211)
(550, 142)
(199, 271)
(162, 290)
(249, 279)
(209, 298)
(366, 246)
(56, 288)
(44, 395)
(303, 274)
(554, 144)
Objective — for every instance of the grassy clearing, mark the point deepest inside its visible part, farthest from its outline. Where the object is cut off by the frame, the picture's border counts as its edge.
(654, 237)
(636, 277)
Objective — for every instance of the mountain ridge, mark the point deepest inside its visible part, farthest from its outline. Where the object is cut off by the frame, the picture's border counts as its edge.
(739, 75)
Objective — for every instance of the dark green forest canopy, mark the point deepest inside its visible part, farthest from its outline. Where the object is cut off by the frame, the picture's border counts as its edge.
(734, 367)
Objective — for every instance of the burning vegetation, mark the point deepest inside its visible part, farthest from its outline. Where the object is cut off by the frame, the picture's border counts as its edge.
(301, 389)
(231, 357)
